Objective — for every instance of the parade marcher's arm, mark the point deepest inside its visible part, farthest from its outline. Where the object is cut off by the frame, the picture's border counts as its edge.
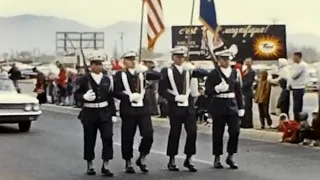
(112, 104)
(81, 88)
(210, 84)
(118, 87)
(163, 87)
(249, 81)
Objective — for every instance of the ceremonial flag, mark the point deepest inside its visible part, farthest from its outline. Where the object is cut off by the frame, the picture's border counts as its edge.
(208, 18)
(155, 22)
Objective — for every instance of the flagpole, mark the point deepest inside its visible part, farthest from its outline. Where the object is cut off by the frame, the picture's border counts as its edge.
(190, 26)
(141, 30)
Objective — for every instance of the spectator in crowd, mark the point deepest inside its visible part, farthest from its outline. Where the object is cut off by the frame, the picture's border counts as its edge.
(14, 74)
(40, 87)
(262, 97)
(275, 90)
(202, 104)
(289, 128)
(62, 84)
(247, 90)
(51, 88)
(297, 82)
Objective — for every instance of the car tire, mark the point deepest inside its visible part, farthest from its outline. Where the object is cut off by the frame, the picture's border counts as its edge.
(24, 126)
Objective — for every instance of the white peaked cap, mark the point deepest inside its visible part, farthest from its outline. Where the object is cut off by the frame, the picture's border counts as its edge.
(97, 56)
(182, 50)
(129, 54)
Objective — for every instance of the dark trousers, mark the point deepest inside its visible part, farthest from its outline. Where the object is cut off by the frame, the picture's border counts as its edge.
(190, 125)
(218, 128)
(163, 109)
(201, 117)
(264, 114)
(297, 102)
(128, 131)
(247, 120)
(90, 129)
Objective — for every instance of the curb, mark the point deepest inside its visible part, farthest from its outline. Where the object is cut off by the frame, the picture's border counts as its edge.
(251, 134)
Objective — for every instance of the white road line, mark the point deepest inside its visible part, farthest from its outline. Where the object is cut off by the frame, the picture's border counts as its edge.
(178, 156)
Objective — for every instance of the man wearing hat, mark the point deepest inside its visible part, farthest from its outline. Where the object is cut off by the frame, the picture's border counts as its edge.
(95, 90)
(134, 111)
(178, 86)
(224, 87)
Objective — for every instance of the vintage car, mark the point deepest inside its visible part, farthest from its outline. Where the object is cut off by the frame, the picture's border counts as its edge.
(15, 107)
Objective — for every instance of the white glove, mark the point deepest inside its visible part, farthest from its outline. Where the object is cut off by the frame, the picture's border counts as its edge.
(222, 87)
(188, 66)
(134, 97)
(140, 68)
(114, 119)
(241, 112)
(89, 95)
(180, 98)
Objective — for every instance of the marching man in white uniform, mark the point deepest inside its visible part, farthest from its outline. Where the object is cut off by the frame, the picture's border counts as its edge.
(178, 86)
(95, 91)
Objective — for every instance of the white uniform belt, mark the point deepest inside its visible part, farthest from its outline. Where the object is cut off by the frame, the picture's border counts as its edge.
(225, 95)
(96, 105)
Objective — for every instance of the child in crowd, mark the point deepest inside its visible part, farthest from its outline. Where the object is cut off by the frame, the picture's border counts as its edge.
(309, 135)
(262, 97)
(284, 99)
(289, 128)
(202, 107)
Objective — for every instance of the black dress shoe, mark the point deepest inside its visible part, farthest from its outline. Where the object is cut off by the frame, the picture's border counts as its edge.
(217, 164)
(189, 166)
(142, 166)
(90, 169)
(106, 172)
(129, 168)
(231, 163)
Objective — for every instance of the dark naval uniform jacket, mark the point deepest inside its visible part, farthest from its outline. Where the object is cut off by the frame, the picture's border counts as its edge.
(125, 105)
(165, 87)
(103, 93)
(224, 106)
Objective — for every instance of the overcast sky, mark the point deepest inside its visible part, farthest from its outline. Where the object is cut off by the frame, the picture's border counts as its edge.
(296, 14)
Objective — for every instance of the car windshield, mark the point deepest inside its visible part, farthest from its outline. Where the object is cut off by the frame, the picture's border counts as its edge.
(7, 85)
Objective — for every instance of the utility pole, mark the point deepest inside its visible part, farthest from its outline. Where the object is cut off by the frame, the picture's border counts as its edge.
(274, 21)
(121, 38)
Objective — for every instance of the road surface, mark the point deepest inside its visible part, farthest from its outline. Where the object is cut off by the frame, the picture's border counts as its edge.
(53, 151)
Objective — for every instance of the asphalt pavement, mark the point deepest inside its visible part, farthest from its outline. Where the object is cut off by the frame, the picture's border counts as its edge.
(53, 151)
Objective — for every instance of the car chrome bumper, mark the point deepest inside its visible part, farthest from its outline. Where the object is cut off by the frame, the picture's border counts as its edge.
(10, 116)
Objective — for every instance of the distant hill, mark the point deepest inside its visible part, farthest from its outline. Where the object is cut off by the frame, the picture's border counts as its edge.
(26, 32)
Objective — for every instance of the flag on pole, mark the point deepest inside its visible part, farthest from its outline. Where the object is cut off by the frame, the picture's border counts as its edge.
(155, 22)
(208, 17)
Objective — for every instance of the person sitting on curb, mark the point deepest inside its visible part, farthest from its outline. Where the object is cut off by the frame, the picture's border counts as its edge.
(310, 135)
(289, 128)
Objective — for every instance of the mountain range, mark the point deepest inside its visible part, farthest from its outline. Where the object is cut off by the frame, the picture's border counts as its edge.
(27, 32)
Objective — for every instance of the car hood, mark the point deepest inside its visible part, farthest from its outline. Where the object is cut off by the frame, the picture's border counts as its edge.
(16, 98)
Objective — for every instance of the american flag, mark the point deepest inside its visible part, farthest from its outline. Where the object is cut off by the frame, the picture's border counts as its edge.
(155, 22)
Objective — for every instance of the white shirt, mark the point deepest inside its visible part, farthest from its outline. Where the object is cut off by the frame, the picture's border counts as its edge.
(97, 77)
(131, 71)
(180, 68)
(226, 71)
(298, 78)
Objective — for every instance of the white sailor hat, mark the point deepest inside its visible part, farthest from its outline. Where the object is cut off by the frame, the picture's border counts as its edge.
(179, 50)
(97, 56)
(129, 54)
(224, 54)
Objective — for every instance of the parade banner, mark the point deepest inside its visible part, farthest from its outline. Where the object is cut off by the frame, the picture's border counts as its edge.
(260, 42)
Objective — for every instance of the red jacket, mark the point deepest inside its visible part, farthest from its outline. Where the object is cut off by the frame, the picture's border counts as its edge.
(239, 67)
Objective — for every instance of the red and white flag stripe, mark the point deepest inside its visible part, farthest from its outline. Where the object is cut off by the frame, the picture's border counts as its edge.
(155, 22)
